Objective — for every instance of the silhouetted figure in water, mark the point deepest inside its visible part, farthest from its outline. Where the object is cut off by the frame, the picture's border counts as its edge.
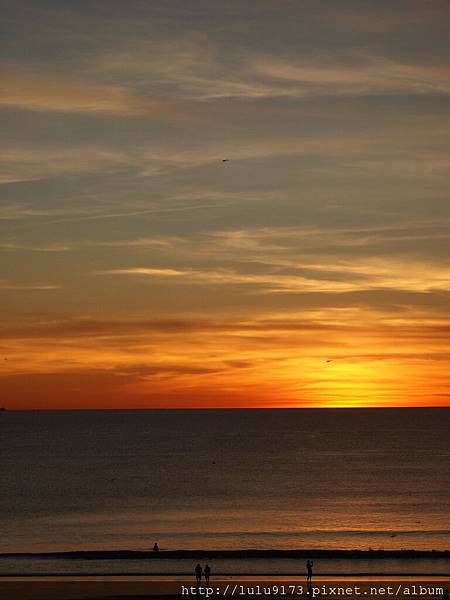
(156, 547)
(309, 567)
(198, 574)
(207, 573)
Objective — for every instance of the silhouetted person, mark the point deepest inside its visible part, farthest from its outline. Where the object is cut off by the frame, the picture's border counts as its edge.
(198, 574)
(309, 568)
(445, 595)
(207, 573)
(156, 547)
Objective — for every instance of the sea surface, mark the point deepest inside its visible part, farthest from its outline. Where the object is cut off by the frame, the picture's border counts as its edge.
(236, 479)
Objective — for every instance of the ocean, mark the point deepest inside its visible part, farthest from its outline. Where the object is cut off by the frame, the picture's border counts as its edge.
(223, 479)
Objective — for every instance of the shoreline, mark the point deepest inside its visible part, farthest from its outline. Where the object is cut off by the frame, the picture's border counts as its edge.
(239, 576)
(235, 554)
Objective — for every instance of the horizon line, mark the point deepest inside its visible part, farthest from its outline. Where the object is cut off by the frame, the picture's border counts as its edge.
(221, 408)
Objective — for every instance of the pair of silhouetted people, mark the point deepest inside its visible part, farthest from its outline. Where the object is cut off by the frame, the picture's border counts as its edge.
(199, 572)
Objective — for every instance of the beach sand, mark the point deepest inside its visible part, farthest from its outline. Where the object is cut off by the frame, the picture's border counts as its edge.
(132, 589)
(83, 590)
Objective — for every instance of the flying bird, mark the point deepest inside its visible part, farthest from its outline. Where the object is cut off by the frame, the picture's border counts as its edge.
(328, 361)
(225, 160)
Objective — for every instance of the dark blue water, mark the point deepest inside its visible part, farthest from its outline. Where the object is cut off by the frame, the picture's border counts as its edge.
(225, 479)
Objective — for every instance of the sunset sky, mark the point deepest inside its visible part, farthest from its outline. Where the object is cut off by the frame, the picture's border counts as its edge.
(140, 270)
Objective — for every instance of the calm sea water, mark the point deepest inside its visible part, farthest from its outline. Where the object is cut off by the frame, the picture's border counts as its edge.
(225, 479)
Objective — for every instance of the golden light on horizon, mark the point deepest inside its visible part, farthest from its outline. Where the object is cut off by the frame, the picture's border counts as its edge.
(324, 358)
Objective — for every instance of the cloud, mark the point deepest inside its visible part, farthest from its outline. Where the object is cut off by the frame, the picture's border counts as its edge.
(10, 285)
(181, 67)
(189, 66)
(368, 75)
(146, 271)
(199, 69)
(141, 328)
(29, 247)
(280, 246)
(388, 145)
(143, 242)
(30, 162)
(151, 61)
(39, 91)
(422, 324)
(279, 240)
(223, 276)
(314, 276)
(271, 357)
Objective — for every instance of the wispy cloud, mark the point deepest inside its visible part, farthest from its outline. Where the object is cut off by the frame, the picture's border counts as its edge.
(390, 147)
(368, 74)
(183, 67)
(128, 84)
(28, 247)
(38, 89)
(142, 242)
(31, 90)
(28, 162)
(13, 286)
(340, 276)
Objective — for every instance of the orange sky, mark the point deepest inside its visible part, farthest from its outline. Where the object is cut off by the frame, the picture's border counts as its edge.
(140, 270)
(272, 360)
